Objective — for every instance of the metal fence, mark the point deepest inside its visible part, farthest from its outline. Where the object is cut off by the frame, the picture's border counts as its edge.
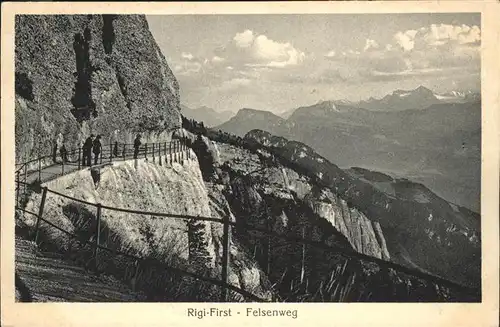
(52, 165)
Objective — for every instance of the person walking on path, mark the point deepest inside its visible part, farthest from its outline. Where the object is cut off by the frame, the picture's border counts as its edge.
(87, 151)
(137, 145)
(115, 149)
(54, 153)
(64, 153)
(96, 148)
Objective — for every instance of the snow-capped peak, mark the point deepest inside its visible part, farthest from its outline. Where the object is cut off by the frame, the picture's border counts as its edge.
(458, 95)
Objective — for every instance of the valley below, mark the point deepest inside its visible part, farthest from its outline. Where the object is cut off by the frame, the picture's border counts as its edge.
(439, 146)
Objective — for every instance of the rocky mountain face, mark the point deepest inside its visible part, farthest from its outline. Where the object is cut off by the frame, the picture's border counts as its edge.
(82, 74)
(419, 98)
(207, 115)
(420, 229)
(247, 119)
(267, 187)
(439, 146)
(189, 244)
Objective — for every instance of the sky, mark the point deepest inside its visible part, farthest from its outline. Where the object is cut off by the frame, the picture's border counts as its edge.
(280, 62)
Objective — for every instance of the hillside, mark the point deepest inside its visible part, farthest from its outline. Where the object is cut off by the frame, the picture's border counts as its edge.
(421, 229)
(272, 178)
(83, 74)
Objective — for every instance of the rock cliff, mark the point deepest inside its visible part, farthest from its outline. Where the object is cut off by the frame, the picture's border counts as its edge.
(268, 195)
(189, 244)
(82, 74)
(421, 229)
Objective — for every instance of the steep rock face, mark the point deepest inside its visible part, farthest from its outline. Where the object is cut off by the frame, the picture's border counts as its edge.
(189, 244)
(364, 235)
(260, 195)
(421, 229)
(82, 74)
(282, 182)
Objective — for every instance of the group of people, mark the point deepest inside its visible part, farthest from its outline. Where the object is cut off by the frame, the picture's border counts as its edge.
(91, 145)
(94, 146)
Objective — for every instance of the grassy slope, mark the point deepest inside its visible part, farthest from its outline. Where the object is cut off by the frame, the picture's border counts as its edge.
(51, 278)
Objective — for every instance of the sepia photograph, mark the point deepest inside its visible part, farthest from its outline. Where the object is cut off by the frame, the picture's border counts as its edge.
(236, 158)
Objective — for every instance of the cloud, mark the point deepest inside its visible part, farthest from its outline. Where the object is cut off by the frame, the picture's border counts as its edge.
(244, 39)
(330, 54)
(217, 59)
(250, 63)
(406, 40)
(441, 34)
(234, 84)
(188, 68)
(433, 51)
(434, 73)
(370, 44)
(187, 55)
(257, 50)
(437, 35)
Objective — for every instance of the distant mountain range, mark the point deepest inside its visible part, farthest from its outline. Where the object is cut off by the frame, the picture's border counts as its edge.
(438, 145)
(419, 98)
(207, 115)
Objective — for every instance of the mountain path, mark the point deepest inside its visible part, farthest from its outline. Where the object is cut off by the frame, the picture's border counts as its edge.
(48, 277)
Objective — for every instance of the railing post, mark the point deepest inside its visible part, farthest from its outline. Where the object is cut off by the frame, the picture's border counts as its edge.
(97, 234)
(170, 151)
(110, 152)
(174, 158)
(17, 189)
(225, 258)
(176, 149)
(179, 151)
(102, 151)
(268, 248)
(153, 151)
(25, 180)
(124, 150)
(40, 213)
(159, 153)
(79, 157)
(40, 169)
(181, 155)
(136, 273)
(302, 271)
(181, 146)
(146, 151)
